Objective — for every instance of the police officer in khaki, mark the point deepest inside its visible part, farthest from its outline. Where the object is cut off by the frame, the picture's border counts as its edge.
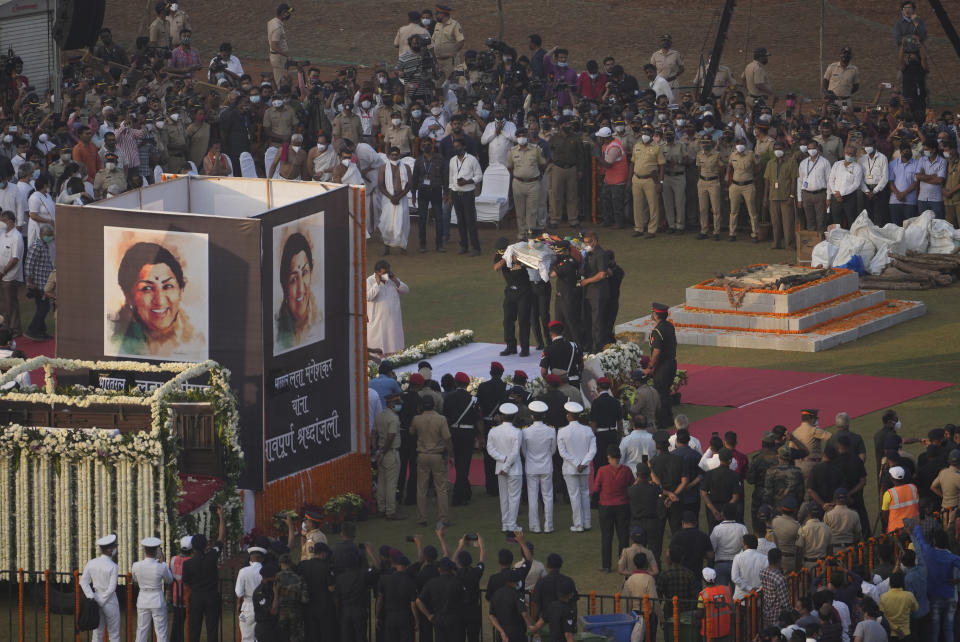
(844, 522)
(674, 181)
(278, 122)
(526, 164)
(842, 78)
(397, 134)
(710, 170)
(111, 175)
(755, 77)
(347, 125)
(812, 437)
(780, 194)
(784, 528)
(741, 174)
(669, 62)
(160, 28)
(648, 168)
(814, 539)
(447, 42)
(277, 42)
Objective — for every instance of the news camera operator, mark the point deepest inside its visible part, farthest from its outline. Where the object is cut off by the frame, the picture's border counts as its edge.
(225, 66)
(418, 69)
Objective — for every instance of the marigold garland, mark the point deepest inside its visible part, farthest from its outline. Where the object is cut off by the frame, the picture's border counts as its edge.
(827, 327)
(838, 272)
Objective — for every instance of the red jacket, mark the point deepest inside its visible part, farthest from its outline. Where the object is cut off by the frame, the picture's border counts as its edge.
(612, 484)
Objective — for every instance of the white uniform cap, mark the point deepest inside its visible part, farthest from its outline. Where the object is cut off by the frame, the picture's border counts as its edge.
(538, 406)
(709, 574)
(509, 408)
(897, 472)
(573, 406)
(604, 132)
(150, 542)
(107, 540)
(186, 542)
(257, 549)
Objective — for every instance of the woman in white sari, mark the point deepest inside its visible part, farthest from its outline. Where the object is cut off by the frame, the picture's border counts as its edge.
(394, 224)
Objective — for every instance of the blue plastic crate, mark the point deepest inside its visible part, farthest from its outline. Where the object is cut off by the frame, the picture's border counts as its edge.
(615, 626)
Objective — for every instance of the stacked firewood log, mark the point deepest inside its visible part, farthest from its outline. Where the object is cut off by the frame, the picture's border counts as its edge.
(915, 271)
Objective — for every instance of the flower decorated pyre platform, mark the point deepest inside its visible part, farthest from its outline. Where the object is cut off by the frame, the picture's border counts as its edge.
(781, 307)
(78, 462)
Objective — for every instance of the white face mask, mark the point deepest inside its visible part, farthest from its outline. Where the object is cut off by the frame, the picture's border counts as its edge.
(850, 159)
(304, 527)
(778, 153)
(384, 277)
(620, 129)
(44, 138)
(346, 162)
(174, 7)
(160, 124)
(174, 117)
(522, 140)
(365, 104)
(255, 99)
(295, 148)
(813, 152)
(946, 154)
(321, 146)
(645, 138)
(898, 425)
(435, 111)
(277, 103)
(741, 148)
(395, 121)
(141, 100)
(681, 122)
(869, 150)
(8, 139)
(803, 149)
(425, 22)
(110, 166)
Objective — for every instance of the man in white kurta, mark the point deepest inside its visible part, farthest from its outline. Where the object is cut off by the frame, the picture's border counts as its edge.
(384, 317)
(539, 444)
(99, 583)
(577, 446)
(503, 446)
(369, 163)
(394, 224)
(150, 574)
(248, 579)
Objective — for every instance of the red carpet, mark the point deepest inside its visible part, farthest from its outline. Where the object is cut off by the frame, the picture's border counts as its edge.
(735, 387)
(856, 395)
(35, 349)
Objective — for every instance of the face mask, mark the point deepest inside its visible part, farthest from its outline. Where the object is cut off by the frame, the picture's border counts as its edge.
(593, 76)
(708, 130)
(850, 159)
(296, 148)
(186, 41)
(812, 152)
(174, 7)
(321, 146)
(395, 121)
(620, 129)
(174, 117)
(778, 153)
(365, 104)
(927, 153)
(44, 138)
(382, 80)
(160, 124)
(348, 107)
(345, 162)
(568, 112)
(142, 100)
(255, 99)
(946, 154)
(425, 22)
(741, 148)
(522, 140)
(304, 527)
(8, 139)
(435, 111)
(645, 138)
(416, 113)
(803, 149)
(110, 166)
(680, 122)
(587, 248)
(869, 150)
(562, 65)
(898, 425)
(47, 239)
(65, 157)
(661, 117)
(483, 113)
(277, 104)
(36, 174)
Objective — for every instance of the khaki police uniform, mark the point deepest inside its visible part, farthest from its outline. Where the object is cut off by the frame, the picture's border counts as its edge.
(647, 159)
(813, 439)
(400, 137)
(781, 185)
(434, 446)
(784, 529)
(668, 65)
(675, 185)
(178, 22)
(710, 170)
(564, 200)
(840, 79)
(347, 125)
(445, 37)
(525, 163)
(277, 33)
(722, 79)
(743, 189)
(844, 523)
(280, 123)
(814, 542)
(403, 35)
(106, 178)
(159, 32)
(754, 75)
(385, 425)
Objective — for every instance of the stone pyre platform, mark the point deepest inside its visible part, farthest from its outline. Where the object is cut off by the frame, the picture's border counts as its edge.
(781, 307)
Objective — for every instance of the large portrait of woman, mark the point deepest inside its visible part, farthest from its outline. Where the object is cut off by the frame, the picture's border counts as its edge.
(298, 289)
(155, 294)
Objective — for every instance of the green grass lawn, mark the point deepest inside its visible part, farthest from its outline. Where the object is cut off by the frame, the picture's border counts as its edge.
(448, 292)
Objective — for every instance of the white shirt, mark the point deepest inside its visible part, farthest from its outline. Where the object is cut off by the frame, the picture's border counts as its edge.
(539, 444)
(660, 86)
(498, 145)
(24, 188)
(813, 175)
(634, 446)
(577, 446)
(17, 161)
(467, 168)
(694, 443)
(374, 407)
(746, 571)
(727, 539)
(99, 580)
(764, 545)
(844, 612)
(10, 200)
(845, 178)
(711, 460)
(435, 134)
(248, 579)
(875, 172)
(43, 205)
(233, 65)
(11, 246)
(503, 445)
(151, 575)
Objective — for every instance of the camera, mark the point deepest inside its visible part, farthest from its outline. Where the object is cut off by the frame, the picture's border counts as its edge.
(218, 64)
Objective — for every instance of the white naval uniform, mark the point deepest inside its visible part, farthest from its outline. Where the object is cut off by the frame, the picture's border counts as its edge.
(248, 579)
(151, 575)
(503, 446)
(99, 583)
(539, 444)
(577, 446)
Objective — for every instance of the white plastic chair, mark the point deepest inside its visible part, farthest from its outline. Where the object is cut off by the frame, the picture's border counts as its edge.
(248, 168)
(492, 202)
(268, 157)
(157, 174)
(193, 168)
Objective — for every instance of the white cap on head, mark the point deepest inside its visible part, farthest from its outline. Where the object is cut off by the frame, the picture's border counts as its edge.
(186, 542)
(537, 406)
(509, 408)
(150, 542)
(573, 406)
(709, 574)
(107, 540)
(604, 132)
(897, 472)
(257, 549)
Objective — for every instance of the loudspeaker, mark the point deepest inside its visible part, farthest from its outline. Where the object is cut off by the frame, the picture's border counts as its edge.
(77, 23)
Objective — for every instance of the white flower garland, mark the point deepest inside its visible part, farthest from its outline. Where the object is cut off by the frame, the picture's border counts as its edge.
(425, 349)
